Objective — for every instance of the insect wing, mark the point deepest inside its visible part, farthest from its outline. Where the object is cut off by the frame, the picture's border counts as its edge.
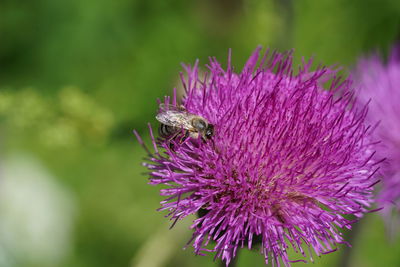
(178, 119)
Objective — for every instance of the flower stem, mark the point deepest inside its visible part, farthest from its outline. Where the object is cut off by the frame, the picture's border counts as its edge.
(352, 239)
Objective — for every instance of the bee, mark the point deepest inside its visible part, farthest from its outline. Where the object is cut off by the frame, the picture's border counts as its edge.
(174, 119)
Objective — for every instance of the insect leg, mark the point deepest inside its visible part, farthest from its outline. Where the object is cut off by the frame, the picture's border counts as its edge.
(184, 137)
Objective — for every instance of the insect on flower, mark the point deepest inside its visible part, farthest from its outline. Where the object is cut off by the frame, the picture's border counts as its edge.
(290, 164)
(174, 119)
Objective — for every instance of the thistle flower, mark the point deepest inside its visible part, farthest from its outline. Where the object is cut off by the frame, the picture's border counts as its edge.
(379, 83)
(287, 163)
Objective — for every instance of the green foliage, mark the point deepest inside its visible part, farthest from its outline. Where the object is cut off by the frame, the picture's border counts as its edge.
(63, 121)
(337, 32)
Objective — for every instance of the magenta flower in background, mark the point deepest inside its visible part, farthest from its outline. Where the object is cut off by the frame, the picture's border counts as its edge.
(287, 160)
(379, 83)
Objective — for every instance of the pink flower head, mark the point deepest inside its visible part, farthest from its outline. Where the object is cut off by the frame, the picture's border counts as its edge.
(287, 161)
(379, 84)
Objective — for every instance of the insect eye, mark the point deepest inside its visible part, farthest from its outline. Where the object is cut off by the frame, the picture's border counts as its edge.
(210, 131)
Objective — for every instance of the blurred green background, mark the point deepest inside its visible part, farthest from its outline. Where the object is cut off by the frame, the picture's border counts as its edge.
(76, 77)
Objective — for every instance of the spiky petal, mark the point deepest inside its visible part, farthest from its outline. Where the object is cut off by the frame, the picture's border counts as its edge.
(287, 162)
(379, 84)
